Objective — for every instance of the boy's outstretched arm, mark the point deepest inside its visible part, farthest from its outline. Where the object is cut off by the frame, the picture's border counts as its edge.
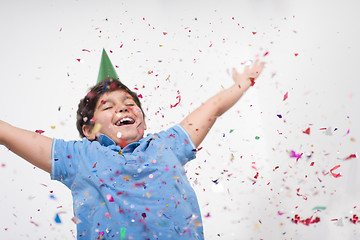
(199, 122)
(32, 147)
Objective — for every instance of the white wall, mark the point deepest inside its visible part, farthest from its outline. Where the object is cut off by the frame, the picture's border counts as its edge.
(42, 83)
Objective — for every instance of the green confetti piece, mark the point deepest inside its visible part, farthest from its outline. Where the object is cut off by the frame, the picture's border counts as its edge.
(122, 233)
(231, 130)
(257, 137)
(319, 208)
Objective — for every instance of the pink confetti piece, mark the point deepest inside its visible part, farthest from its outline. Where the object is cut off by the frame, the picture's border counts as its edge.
(265, 54)
(296, 155)
(39, 131)
(164, 33)
(107, 215)
(85, 50)
(140, 96)
(351, 156)
(285, 96)
(281, 213)
(253, 33)
(110, 198)
(177, 97)
(307, 131)
(121, 45)
(335, 175)
(296, 54)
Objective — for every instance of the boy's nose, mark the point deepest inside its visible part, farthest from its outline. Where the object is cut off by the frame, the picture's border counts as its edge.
(123, 109)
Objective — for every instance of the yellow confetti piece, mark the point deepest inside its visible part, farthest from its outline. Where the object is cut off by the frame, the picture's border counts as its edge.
(87, 195)
(127, 178)
(148, 195)
(176, 177)
(52, 127)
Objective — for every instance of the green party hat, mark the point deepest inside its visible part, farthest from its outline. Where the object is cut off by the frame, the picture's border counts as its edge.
(106, 70)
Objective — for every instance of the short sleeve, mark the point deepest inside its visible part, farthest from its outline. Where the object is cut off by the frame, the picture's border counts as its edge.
(179, 140)
(64, 160)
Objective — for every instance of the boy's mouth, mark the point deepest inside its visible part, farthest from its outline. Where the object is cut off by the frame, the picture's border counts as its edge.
(125, 121)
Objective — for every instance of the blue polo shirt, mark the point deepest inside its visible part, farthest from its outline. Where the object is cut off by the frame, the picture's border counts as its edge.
(138, 192)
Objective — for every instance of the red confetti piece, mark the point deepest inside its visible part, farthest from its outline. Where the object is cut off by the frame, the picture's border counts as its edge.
(351, 156)
(94, 165)
(39, 131)
(121, 45)
(285, 96)
(307, 222)
(78, 59)
(311, 164)
(177, 97)
(307, 131)
(296, 54)
(256, 175)
(85, 50)
(355, 219)
(335, 175)
(252, 81)
(60, 29)
(253, 33)
(110, 198)
(164, 33)
(266, 54)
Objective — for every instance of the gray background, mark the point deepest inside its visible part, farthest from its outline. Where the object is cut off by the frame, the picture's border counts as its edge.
(42, 82)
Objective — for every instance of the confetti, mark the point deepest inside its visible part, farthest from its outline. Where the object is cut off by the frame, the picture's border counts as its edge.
(39, 131)
(307, 221)
(296, 54)
(351, 156)
(307, 131)
(177, 97)
(122, 233)
(57, 218)
(319, 208)
(265, 54)
(257, 137)
(76, 220)
(110, 198)
(335, 175)
(296, 155)
(285, 96)
(278, 115)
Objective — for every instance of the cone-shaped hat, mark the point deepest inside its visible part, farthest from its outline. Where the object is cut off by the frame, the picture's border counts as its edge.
(106, 68)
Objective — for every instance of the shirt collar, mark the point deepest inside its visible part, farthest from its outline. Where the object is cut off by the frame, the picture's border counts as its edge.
(108, 142)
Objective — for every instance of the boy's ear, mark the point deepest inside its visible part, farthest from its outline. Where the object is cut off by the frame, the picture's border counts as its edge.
(88, 132)
(145, 125)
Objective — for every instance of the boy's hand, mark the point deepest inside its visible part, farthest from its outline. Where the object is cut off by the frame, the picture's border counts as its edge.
(247, 78)
(199, 122)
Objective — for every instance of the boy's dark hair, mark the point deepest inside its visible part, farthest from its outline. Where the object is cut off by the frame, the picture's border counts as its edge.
(86, 107)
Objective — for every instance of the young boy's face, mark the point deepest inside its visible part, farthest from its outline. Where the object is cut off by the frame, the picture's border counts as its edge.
(117, 116)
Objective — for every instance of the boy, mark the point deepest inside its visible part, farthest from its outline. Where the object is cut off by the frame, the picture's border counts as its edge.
(125, 185)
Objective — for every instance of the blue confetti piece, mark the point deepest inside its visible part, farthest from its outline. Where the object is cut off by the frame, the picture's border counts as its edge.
(57, 218)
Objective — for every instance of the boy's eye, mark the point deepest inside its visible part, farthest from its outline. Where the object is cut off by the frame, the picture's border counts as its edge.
(107, 108)
(130, 104)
